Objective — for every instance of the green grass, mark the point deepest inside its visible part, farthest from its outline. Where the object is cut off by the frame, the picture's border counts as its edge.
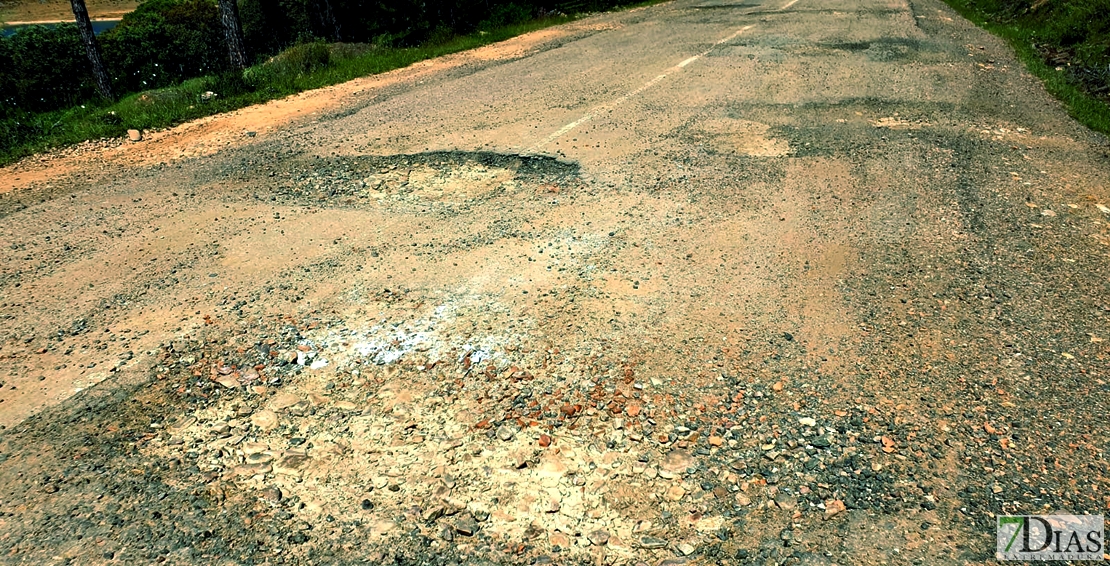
(1057, 28)
(300, 68)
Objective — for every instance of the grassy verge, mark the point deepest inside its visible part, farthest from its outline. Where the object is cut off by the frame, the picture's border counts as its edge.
(302, 67)
(1032, 35)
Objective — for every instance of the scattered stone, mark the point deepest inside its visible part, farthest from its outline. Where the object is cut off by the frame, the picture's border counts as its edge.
(786, 536)
(228, 381)
(259, 458)
(686, 549)
(834, 507)
(290, 465)
(300, 409)
(599, 538)
(134, 135)
(266, 420)
(446, 533)
(346, 406)
(785, 501)
(674, 493)
(504, 433)
(271, 494)
(929, 503)
(558, 540)
(183, 424)
(249, 448)
(533, 531)
(676, 462)
(479, 513)
(466, 526)
(247, 470)
(544, 441)
(431, 514)
(284, 401)
(652, 542)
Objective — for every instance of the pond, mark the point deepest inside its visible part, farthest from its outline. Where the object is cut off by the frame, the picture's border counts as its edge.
(99, 27)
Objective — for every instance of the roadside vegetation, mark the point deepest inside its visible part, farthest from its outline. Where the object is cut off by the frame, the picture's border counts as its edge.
(1066, 43)
(168, 62)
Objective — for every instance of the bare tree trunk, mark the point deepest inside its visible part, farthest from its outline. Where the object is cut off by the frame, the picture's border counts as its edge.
(84, 25)
(233, 33)
(330, 22)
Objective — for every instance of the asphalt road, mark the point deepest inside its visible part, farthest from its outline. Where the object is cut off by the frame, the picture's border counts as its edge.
(781, 283)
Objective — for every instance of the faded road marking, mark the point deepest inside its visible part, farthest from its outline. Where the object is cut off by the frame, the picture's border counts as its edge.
(688, 61)
(617, 102)
(610, 106)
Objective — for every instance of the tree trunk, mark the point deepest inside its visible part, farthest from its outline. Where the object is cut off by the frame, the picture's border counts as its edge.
(233, 33)
(327, 15)
(84, 25)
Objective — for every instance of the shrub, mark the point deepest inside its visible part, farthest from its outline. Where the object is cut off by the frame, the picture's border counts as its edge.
(272, 25)
(1069, 33)
(281, 72)
(303, 58)
(507, 14)
(43, 68)
(164, 42)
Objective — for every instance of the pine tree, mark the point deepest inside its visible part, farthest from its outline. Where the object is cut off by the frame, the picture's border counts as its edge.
(84, 26)
(329, 21)
(233, 33)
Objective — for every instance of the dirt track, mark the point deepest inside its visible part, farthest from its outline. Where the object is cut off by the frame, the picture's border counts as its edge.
(803, 283)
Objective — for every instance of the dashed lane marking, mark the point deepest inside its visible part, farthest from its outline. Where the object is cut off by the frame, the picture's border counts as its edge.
(601, 108)
(596, 110)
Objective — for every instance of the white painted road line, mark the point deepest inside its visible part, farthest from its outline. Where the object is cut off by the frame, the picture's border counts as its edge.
(688, 61)
(593, 112)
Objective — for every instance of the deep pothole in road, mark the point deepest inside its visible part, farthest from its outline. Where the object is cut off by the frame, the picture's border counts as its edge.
(445, 180)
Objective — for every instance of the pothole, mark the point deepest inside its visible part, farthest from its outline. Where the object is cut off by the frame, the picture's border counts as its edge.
(445, 178)
(742, 137)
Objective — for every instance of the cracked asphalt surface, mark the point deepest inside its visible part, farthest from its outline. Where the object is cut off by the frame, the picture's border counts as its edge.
(704, 282)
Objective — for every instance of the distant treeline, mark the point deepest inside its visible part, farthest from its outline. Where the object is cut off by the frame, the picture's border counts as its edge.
(166, 41)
